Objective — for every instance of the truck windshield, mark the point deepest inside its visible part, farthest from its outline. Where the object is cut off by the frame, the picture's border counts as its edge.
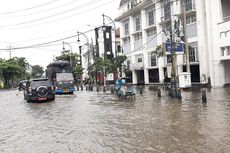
(36, 83)
(64, 76)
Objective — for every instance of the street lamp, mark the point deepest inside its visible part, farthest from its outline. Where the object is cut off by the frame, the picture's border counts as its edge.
(70, 54)
(114, 30)
(87, 44)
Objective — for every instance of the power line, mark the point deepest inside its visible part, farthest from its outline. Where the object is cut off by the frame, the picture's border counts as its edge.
(51, 35)
(49, 42)
(54, 15)
(29, 8)
(45, 10)
(6, 27)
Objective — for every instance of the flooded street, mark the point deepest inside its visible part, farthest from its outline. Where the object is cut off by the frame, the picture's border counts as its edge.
(91, 122)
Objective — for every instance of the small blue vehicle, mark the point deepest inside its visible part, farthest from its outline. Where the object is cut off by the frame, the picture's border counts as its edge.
(124, 88)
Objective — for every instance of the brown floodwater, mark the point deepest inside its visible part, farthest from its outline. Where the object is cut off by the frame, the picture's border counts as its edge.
(101, 123)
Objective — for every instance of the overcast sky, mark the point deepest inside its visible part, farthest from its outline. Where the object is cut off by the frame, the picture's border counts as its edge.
(29, 22)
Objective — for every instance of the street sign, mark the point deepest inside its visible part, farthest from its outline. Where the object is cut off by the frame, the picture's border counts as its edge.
(177, 47)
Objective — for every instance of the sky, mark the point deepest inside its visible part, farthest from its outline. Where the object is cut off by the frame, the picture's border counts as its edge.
(26, 23)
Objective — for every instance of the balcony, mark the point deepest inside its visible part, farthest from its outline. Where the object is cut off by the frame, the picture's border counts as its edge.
(132, 8)
(224, 34)
(225, 53)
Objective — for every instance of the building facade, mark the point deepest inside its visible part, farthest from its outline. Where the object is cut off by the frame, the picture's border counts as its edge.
(218, 39)
(148, 24)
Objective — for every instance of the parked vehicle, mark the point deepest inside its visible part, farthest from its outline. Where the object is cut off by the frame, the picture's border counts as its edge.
(60, 74)
(22, 85)
(40, 89)
(124, 88)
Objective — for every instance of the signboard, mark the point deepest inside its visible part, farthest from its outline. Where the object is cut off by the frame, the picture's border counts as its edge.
(177, 47)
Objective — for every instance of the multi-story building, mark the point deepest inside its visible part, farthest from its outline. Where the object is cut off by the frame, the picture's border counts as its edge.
(218, 39)
(146, 24)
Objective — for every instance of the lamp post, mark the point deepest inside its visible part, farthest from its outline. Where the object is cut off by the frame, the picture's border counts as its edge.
(70, 54)
(114, 30)
(87, 44)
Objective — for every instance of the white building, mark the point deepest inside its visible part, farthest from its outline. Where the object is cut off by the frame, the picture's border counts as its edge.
(145, 24)
(218, 39)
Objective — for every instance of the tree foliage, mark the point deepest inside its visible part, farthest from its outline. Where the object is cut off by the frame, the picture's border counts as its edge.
(118, 63)
(100, 65)
(37, 71)
(159, 51)
(68, 56)
(10, 70)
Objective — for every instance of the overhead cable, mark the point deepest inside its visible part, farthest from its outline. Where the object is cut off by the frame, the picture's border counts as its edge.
(29, 8)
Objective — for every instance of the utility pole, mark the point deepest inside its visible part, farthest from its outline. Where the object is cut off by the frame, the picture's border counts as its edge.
(183, 19)
(10, 50)
(173, 90)
(173, 71)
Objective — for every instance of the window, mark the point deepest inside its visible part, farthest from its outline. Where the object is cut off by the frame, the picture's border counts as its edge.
(166, 9)
(150, 16)
(225, 8)
(137, 23)
(151, 32)
(139, 60)
(137, 36)
(191, 19)
(188, 5)
(193, 52)
(126, 28)
(126, 40)
(153, 60)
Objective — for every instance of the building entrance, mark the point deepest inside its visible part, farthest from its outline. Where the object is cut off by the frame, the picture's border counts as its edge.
(153, 76)
(140, 77)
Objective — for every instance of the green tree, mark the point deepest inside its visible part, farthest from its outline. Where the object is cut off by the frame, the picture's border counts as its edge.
(77, 72)
(37, 71)
(159, 51)
(100, 65)
(67, 56)
(118, 63)
(10, 70)
(22, 62)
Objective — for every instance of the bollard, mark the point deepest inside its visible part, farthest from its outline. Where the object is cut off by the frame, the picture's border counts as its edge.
(91, 88)
(77, 88)
(179, 93)
(86, 88)
(204, 98)
(81, 88)
(141, 90)
(104, 89)
(97, 89)
(159, 92)
(112, 90)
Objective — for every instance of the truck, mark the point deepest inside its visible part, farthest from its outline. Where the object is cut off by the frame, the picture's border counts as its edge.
(60, 73)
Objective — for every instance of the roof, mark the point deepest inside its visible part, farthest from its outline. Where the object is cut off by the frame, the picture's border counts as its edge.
(123, 2)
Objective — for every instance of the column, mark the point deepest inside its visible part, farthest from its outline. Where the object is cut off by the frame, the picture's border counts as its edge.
(134, 76)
